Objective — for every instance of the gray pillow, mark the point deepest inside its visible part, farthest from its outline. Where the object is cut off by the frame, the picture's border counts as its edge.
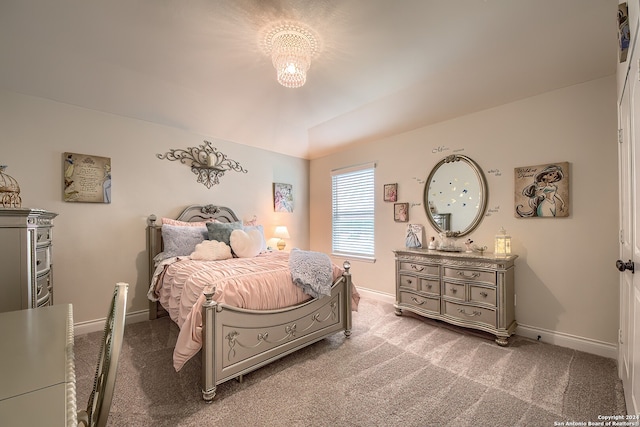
(181, 241)
(221, 231)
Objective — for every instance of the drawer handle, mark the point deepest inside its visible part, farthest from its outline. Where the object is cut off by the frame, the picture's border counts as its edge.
(38, 262)
(409, 281)
(475, 313)
(470, 276)
(429, 286)
(453, 290)
(415, 267)
(415, 300)
(484, 294)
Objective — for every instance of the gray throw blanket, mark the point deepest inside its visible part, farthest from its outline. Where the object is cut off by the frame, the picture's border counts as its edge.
(311, 271)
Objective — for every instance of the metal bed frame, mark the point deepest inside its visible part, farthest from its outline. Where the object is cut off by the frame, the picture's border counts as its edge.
(237, 341)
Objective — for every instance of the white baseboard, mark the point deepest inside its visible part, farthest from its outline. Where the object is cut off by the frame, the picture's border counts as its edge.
(588, 345)
(561, 339)
(82, 328)
(376, 295)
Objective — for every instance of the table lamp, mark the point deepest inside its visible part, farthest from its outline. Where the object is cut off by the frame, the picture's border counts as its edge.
(281, 233)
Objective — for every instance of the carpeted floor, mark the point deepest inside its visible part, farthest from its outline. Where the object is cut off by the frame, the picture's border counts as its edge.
(393, 371)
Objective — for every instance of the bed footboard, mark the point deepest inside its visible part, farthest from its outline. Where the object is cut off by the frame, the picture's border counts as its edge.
(237, 341)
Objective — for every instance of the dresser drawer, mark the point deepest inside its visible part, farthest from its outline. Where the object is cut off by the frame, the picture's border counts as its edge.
(454, 290)
(43, 259)
(433, 270)
(470, 313)
(482, 294)
(420, 284)
(419, 301)
(43, 235)
(487, 277)
(431, 286)
(43, 291)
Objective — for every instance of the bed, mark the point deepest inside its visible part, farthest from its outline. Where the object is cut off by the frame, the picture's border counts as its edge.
(234, 341)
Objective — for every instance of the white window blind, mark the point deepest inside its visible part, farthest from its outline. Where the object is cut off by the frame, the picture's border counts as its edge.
(353, 211)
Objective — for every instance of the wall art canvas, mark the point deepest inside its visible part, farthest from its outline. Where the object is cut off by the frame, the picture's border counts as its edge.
(624, 34)
(391, 192)
(414, 236)
(542, 191)
(401, 212)
(282, 197)
(86, 178)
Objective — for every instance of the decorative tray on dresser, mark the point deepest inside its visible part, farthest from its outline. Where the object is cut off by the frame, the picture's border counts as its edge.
(464, 289)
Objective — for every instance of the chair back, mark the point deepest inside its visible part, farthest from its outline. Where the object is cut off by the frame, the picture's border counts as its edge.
(104, 381)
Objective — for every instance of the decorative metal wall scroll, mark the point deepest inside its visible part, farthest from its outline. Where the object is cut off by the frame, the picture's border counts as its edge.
(207, 163)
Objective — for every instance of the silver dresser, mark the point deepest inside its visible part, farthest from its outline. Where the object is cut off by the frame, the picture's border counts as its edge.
(26, 271)
(465, 289)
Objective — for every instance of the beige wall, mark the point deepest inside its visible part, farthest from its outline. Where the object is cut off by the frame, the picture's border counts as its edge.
(565, 279)
(565, 276)
(97, 245)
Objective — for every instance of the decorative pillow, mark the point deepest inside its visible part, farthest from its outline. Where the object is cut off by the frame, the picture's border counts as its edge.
(211, 250)
(221, 231)
(249, 221)
(246, 244)
(170, 221)
(263, 246)
(181, 241)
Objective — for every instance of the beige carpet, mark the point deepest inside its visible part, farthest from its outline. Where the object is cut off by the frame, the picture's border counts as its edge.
(392, 371)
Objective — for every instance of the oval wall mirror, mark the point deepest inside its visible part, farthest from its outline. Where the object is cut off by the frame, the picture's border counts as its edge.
(455, 195)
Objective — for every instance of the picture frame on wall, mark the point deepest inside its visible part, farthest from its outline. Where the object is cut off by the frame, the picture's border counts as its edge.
(282, 197)
(87, 178)
(542, 191)
(401, 212)
(391, 192)
(414, 236)
(624, 33)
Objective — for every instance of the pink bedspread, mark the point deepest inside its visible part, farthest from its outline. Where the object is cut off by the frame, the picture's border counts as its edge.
(260, 283)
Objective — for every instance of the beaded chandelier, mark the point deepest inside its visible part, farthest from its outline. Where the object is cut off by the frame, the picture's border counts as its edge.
(291, 46)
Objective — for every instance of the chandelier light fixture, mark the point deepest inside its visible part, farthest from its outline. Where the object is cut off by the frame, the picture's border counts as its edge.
(291, 46)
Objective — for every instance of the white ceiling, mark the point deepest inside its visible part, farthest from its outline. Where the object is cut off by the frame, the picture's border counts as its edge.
(386, 66)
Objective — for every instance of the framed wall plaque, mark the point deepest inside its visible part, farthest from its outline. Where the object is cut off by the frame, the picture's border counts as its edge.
(86, 178)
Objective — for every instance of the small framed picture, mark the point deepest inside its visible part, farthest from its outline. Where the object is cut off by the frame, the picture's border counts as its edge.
(282, 197)
(391, 192)
(401, 212)
(413, 238)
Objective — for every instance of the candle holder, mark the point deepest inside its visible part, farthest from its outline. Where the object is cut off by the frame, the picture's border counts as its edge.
(206, 162)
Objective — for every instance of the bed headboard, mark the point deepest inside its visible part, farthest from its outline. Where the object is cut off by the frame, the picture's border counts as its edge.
(193, 213)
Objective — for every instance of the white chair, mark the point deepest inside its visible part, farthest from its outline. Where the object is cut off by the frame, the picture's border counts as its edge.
(104, 381)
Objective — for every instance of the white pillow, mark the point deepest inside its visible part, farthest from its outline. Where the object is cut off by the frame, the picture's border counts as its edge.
(211, 250)
(246, 244)
(246, 228)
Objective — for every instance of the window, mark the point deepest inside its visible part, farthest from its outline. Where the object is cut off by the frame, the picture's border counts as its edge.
(353, 211)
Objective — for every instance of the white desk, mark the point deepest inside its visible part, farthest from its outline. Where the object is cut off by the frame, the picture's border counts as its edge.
(37, 371)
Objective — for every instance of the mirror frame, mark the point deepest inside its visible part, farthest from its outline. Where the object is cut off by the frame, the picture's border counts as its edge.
(484, 195)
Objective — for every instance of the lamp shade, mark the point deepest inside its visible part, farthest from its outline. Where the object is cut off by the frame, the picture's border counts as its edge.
(281, 232)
